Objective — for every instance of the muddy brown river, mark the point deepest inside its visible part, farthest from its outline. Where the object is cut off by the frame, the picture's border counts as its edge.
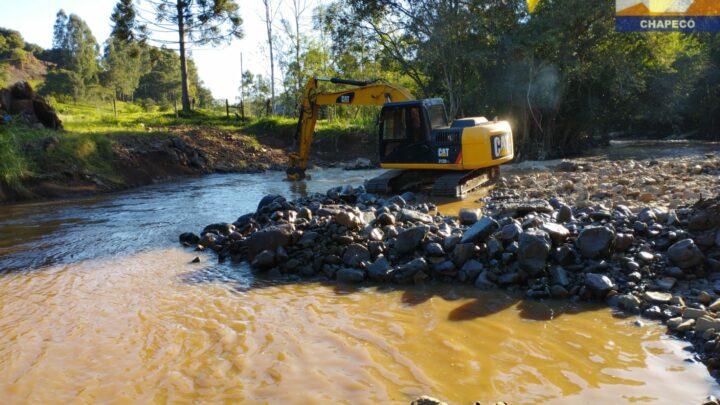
(99, 304)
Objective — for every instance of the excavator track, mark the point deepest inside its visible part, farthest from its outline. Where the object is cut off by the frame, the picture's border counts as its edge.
(459, 184)
(455, 184)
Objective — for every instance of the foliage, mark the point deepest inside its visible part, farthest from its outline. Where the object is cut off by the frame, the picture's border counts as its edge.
(196, 22)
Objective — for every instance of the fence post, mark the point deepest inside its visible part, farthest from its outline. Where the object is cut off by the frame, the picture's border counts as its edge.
(175, 105)
(227, 109)
(114, 108)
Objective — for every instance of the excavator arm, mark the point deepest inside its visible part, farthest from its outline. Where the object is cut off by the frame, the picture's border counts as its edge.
(365, 93)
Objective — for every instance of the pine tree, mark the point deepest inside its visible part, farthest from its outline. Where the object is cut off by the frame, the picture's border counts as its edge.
(197, 22)
(125, 27)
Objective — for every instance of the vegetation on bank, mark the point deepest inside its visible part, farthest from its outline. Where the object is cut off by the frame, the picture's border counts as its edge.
(85, 148)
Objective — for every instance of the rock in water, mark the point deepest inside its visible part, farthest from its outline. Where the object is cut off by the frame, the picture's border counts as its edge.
(595, 241)
(685, 254)
(533, 250)
(409, 239)
(351, 276)
(409, 271)
(426, 400)
(264, 260)
(379, 270)
(269, 238)
(480, 230)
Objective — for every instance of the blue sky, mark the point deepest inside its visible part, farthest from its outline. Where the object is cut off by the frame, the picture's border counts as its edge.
(219, 67)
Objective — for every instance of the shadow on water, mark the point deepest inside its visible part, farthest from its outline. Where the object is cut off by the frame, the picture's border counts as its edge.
(482, 303)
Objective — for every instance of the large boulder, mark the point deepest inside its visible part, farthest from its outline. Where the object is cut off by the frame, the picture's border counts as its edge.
(269, 238)
(685, 254)
(355, 254)
(599, 283)
(379, 270)
(595, 241)
(533, 250)
(413, 270)
(409, 239)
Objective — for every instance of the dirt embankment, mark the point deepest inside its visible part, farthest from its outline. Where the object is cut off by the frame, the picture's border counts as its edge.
(167, 153)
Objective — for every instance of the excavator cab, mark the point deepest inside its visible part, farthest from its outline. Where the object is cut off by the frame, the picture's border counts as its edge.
(406, 131)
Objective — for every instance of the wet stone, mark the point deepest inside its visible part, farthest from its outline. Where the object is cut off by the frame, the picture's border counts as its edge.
(533, 251)
(409, 239)
(595, 241)
(480, 230)
(685, 254)
(658, 297)
(351, 276)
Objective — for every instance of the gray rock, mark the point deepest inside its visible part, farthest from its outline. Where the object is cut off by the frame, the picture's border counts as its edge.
(427, 400)
(470, 271)
(409, 239)
(264, 260)
(414, 216)
(623, 241)
(269, 238)
(598, 283)
(685, 254)
(557, 232)
(533, 251)
(308, 239)
(379, 270)
(559, 276)
(646, 215)
(628, 302)
(656, 297)
(494, 248)
(351, 276)
(705, 322)
(510, 232)
(462, 253)
(386, 219)
(469, 216)
(509, 278)
(409, 271)
(666, 283)
(446, 268)
(434, 249)
(355, 254)
(595, 241)
(189, 238)
(374, 234)
(480, 230)
(564, 214)
(694, 313)
(348, 220)
(483, 282)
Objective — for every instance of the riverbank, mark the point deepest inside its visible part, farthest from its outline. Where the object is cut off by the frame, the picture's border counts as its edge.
(658, 257)
(98, 153)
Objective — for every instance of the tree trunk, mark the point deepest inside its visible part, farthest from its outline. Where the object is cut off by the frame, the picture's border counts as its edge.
(183, 59)
(268, 23)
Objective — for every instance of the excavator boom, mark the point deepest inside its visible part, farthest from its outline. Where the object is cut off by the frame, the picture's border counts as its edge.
(364, 93)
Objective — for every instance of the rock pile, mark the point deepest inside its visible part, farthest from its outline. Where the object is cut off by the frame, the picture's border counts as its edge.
(22, 101)
(663, 264)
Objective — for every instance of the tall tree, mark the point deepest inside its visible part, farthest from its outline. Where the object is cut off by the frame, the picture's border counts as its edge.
(292, 29)
(196, 22)
(125, 54)
(125, 26)
(60, 30)
(269, 18)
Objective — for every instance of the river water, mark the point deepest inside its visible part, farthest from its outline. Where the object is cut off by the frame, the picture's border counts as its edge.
(100, 304)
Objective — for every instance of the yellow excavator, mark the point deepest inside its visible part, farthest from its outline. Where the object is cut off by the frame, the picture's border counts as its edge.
(415, 139)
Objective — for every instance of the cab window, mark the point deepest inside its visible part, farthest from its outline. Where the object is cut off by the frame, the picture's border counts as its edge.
(394, 127)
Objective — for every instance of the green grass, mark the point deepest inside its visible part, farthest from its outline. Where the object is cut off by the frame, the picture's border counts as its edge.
(85, 147)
